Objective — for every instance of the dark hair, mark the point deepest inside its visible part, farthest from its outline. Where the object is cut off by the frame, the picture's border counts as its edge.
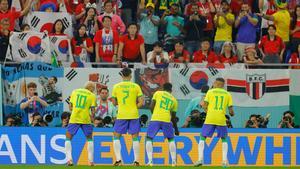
(137, 26)
(227, 116)
(252, 115)
(36, 114)
(204, 89)
(63, 26)
(175, 4)
(272, 26)
(289, 112)
(220, 79)
(106, 17)
(87, 10)
(65, 115)
(104, 88)
(167, 87)
(55, 78)
(294, 20)
(77, 36)
(158, 43)
(106, 2)
(125, 72)
(10, 116)
(178, 41)
(98, 118)
(31, 85)
(205, 39)
(24, 26)
(224, 1)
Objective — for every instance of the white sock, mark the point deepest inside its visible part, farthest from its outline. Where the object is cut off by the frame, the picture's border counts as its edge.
(68, 148)
(200, 150)
(136, 150)
(90, 149)
(224, 151)
(149, 149)
(172, 149)
(117, 149)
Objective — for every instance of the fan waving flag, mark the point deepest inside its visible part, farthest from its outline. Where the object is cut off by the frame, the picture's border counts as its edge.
(254, 88)
(60, 49)
(41, 21)
(29, 46)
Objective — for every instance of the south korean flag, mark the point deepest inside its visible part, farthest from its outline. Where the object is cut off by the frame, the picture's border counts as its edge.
(29, 46)
(43, 21)
(187, 82)
(61, 48)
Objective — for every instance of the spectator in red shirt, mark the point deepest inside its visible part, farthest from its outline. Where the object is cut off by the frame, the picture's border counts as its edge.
(228, 54)
(12, 14)
(188, 8)
(205, 54)
(58, 28)
(80, 10)
(271, 46)
(295, 29)
(131, 46)
(295, 59)
(91, 21)
(106, 41)
(117, 23)
(82, 45)
(251, 57)
(179, 55)
(207, 9)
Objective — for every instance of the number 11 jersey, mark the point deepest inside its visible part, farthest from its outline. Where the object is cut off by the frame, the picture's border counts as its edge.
(82, 101)
(218, 100)
(126, 93)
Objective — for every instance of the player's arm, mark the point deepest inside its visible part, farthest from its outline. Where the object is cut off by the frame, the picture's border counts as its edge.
(205, 105)
(140, 101)
(206, 101)
(152, 105)
(114, 101)
(186, 123)
(173, 119)
(231, 112)
(93, 112)
(70, 107)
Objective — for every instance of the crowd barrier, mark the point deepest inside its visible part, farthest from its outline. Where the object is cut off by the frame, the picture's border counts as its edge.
(254, 147)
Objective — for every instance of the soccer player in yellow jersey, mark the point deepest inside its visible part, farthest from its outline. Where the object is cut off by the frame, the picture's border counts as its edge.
(216, 101)
(82, 105)
(129, 97)
(164, 107)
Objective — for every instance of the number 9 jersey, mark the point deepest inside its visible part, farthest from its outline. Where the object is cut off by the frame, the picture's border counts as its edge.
(218, 100)
(165, 103)
(82, 101)
(126, 93)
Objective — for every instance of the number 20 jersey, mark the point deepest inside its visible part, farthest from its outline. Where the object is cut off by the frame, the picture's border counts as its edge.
(82, 101)
(127, 93)
(165, 103)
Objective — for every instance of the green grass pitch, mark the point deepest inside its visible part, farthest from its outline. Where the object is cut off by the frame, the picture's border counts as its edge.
(125, 167)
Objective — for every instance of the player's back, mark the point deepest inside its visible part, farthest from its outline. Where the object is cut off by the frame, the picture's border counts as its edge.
(82, 100)
(127, 93)
(165, 104)
(218, 100)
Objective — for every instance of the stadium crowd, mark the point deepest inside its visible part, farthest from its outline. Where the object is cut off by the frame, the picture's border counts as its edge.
(166, 31)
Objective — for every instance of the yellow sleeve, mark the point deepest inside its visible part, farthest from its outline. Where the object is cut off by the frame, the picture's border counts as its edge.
(154, 96)
(94, 101)
(276, 16)
(114, 92)
(230, 102)
(139, 91)
(230, 16)
(206, 99)
(72, 99)
(175, 106)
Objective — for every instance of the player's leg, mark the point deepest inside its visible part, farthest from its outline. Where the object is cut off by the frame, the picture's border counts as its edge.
(71, 131)
(152, 130)
(134, 129)
(120, 128)
(223, 134)
(168, 132)
(207, 131)
(88, 132)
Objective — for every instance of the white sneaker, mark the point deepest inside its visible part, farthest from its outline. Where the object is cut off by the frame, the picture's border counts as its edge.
(225, 164)
(174, 164)
(150, 163)
(198, 163)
